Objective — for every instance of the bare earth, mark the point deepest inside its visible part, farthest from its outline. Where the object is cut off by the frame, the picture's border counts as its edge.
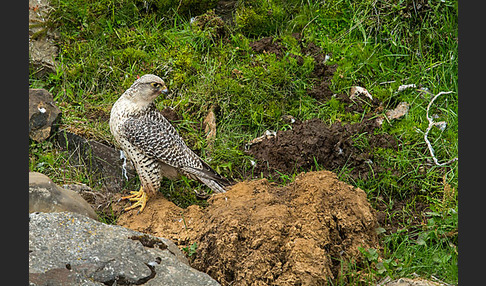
(259, 233)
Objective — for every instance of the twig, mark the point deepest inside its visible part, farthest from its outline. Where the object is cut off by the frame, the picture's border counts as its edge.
(431, 124)
(387, 82)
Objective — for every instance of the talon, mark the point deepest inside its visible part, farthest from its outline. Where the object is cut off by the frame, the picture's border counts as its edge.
(139, 197)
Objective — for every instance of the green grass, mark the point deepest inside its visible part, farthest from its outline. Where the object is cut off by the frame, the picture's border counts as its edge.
(379, 45)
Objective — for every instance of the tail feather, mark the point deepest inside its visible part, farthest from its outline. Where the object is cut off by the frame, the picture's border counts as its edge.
(209, 177)
(214, 185)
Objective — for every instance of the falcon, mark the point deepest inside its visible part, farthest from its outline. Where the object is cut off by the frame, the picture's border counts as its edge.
(153, 145)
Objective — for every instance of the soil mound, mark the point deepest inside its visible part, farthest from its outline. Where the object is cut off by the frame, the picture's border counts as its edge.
(259, 233)
(313, 141)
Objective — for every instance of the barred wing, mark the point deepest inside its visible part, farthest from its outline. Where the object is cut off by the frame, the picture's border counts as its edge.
(157, 138)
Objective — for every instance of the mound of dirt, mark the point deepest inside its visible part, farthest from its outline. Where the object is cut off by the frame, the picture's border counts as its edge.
(259, 233)
(333, 147)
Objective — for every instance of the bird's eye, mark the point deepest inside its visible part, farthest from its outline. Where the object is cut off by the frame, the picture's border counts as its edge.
(155, 84)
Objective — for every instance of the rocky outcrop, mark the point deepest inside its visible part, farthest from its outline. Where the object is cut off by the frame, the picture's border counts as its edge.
(71, 249)
(43, 114)
(46, 196)
(42, 48)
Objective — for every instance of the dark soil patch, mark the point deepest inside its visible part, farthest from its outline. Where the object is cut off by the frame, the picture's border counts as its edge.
(258, 233)
(360, 104)
(171, 115)
(313, 141)
(268, 45)
(322, 76)
(321, 89)
(322, 73)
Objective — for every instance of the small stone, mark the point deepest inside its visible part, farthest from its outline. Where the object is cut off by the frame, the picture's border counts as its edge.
(43, 114)
(406, 86)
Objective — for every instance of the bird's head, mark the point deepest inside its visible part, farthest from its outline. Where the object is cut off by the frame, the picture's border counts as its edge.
(146, 89)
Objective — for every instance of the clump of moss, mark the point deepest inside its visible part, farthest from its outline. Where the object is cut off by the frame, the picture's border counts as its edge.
(210, 24)
(256, 18)
(130, 55)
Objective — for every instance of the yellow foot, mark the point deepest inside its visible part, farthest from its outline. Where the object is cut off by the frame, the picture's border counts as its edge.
(139, 197)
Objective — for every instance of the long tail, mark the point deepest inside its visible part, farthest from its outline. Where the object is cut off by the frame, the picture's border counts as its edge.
(214, 185)
(210, 178)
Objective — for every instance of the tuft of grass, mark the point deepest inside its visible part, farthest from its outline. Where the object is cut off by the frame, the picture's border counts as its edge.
(430, 248)
(45, 158)
(190, 250)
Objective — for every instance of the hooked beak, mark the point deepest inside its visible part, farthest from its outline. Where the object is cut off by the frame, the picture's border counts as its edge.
(164, 90)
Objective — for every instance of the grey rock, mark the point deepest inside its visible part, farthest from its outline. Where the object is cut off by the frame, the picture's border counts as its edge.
(46, 196)
(42, 47)
(43, 114)
(76, 249)
(418, 281)
(61, 277)
(101, 161)
(95, 198)
(42, 53)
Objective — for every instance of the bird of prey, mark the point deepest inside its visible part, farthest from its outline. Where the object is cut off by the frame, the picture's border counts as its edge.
(153, 144)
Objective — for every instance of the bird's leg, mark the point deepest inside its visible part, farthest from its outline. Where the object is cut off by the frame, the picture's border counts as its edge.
(140, 197)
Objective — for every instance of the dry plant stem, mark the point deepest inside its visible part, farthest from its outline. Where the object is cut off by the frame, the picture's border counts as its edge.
(431, 124)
